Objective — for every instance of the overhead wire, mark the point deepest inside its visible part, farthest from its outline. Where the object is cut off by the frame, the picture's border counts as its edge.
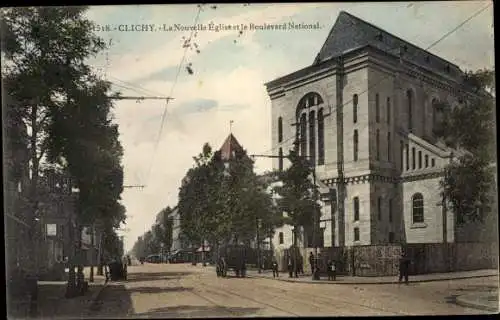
(386, 77)
(162, 123)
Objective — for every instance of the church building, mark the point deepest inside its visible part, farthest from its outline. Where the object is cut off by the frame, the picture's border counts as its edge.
(363, 113)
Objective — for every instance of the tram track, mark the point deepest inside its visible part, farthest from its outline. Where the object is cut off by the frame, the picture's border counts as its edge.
(325, 301)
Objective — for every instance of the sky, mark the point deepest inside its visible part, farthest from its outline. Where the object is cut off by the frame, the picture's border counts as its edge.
(229, 74)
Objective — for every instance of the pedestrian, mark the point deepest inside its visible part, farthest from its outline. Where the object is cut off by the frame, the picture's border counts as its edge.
(332, 270)
(290, 267)
(404, 266)
(301, 265)
(275, 268)
(311, 262)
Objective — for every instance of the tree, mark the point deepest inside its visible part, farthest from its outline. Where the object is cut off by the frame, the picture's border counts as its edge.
(469, 180)
(45, 50)
(297, 194)
(66, 108)
(198, 206)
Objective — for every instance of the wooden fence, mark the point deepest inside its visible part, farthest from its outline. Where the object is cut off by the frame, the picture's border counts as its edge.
(383, 260)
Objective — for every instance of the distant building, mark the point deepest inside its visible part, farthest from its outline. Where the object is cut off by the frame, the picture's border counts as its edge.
(391, 161)
(177, 242)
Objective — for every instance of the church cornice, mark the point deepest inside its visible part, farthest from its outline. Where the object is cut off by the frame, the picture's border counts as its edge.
(374, 177)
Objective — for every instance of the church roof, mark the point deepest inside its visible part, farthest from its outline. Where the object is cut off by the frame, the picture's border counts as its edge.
(350, 33)
(229, 147)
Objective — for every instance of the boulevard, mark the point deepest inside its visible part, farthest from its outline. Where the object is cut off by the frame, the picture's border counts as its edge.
(184, 290)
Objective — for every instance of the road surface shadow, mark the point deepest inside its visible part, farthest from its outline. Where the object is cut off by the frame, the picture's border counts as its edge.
(114, 301)
(52, 303)
(197, 312)
(158, 289)
(155, 276)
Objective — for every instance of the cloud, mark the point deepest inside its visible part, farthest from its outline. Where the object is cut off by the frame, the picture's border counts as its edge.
(196, 106)
(135, 65)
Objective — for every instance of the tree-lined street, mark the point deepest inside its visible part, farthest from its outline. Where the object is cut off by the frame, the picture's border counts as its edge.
(183, 290)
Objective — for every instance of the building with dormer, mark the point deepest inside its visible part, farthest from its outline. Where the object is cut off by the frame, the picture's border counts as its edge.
(364, 113)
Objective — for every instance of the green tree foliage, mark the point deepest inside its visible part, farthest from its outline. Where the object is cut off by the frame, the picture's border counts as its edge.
(221, 201)
(297, 193)
(469, 181)
(66, 108)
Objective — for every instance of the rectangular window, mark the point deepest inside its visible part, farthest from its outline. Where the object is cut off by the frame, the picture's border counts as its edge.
(356, 234)
(388, 110)
(390, 210)
(391, 237)
(377, 108)
(407, 148)
(389, 146)
(356, 208)
(280, 129)
(379, 208)
(355, 108)
(413, 158)
(281, 238)
(433, 162)
(420, 159)
(355, 142)
(426, 161)
(280, 160)
(401, 154)
(377, 144)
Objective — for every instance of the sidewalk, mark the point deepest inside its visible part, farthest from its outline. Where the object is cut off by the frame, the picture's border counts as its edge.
(487, 301)
(53, 304)
(377, 280)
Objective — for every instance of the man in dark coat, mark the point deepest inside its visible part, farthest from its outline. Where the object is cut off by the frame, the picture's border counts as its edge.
(332, 270)
(290, 267)
(275, 268)
(404, 266)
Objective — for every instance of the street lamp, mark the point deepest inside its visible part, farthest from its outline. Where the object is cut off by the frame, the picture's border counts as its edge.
(259, 258)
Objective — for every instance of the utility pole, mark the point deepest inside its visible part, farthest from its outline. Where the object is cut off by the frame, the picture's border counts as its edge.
(340, 149)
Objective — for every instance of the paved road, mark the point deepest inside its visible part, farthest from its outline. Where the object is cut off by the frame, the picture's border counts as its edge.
(183, 290)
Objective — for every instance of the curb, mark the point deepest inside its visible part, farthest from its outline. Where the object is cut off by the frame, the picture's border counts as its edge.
(464, 302)
(366, 282)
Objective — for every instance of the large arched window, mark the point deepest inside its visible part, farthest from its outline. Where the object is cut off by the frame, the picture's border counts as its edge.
(303, 134)
(321, 137)
(280, 129)
(308, 105)
(418, 208)
(355, 108)
(409, 96)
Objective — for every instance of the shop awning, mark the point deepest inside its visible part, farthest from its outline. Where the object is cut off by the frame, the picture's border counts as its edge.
(200, 249)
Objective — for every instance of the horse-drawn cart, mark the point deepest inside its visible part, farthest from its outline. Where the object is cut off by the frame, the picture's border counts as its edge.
(232, 257)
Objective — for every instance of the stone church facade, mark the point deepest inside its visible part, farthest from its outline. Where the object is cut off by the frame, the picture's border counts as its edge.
(377, 94)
